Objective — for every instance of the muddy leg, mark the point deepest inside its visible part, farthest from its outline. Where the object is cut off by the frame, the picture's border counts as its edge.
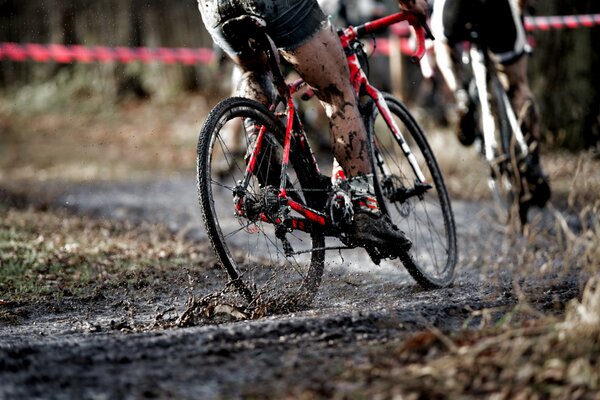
(524, 104)
(330, 75)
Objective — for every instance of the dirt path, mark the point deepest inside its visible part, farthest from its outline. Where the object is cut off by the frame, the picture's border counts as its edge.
(109, 348)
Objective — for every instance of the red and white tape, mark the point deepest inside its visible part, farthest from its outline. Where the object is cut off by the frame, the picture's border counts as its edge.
(190, 56)
(82, 54)
(562, 22)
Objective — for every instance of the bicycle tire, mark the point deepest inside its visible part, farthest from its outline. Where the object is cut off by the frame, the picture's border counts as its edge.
(256, 265)
(432, 263)
(505, 180)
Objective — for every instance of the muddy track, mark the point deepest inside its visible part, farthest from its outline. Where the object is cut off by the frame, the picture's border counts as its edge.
(90, 350)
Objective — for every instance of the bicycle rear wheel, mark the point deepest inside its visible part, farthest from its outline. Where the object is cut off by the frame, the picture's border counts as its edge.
(425, 216)
(249, 249)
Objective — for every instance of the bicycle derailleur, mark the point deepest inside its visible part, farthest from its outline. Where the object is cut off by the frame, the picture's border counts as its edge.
(268, 207)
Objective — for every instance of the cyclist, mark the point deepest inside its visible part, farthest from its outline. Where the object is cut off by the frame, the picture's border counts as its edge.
(499, 24)
(309, 43)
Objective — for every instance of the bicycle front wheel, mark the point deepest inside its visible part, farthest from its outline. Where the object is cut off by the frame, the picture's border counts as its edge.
(423, 213)
(256, 257)
(506, 180)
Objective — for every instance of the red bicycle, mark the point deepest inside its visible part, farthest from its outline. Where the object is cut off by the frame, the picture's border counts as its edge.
(272, 216)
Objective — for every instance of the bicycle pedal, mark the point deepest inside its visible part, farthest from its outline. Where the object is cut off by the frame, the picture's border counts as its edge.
(377, 254)
(374, 254)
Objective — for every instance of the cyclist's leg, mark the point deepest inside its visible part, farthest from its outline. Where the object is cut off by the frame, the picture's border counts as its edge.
(330, 75)
(446, 58)
(448, 22)
(256, 79)
(321, 62)
(525, 106)
(511, 50)
(503, 30)
(522, 98)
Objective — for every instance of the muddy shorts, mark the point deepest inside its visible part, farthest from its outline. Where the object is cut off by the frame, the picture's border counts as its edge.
(289, 22)
(497, 23)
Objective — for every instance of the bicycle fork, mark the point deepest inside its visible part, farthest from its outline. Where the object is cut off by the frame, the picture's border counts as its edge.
(384, 111)
(478, 64)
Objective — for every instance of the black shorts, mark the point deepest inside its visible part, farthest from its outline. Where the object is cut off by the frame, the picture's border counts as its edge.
(497, 23)
(289, 22)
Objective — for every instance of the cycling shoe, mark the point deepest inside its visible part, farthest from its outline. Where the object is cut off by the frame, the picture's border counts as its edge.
(537, 182)
(369, 230)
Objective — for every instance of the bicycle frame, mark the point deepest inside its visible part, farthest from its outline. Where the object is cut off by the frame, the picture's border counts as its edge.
(362, 87)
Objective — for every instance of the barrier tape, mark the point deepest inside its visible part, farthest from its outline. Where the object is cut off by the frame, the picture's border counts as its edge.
(562, 22)
(82, 54)
(190, 56)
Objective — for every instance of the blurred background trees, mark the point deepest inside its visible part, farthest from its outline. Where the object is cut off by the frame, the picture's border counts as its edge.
(565, 75)
(564, 69)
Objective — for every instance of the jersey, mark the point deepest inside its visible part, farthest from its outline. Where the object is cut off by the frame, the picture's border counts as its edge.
(496, 23)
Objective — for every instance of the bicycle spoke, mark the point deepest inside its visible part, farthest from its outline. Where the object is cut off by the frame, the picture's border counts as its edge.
(426, 218)
(249, 249)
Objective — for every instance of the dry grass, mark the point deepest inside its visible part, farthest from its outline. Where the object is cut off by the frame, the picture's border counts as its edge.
(94, 138)
(48, 255)
(534, 351)
(544, 347)
(545, 358)
(131, 140)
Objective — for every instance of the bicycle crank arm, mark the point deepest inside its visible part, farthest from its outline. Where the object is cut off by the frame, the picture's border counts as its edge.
(325, 249)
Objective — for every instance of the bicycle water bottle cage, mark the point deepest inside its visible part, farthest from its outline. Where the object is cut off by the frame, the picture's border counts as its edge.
(245, 32)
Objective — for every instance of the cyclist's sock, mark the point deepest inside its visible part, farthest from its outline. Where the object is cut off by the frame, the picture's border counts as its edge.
(362, 191)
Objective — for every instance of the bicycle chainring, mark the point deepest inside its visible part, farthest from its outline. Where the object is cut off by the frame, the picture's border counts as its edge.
(340, 209)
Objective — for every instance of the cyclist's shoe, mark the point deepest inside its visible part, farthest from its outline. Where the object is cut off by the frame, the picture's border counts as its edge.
(537, 182)
(466, 128)
(370, 230)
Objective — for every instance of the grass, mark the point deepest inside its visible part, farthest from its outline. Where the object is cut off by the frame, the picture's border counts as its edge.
(50, 255)
(547, 350)
(543, 358)
(94, 138)
(103, 141)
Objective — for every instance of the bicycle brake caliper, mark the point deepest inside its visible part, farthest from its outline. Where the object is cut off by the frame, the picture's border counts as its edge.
(239, 194)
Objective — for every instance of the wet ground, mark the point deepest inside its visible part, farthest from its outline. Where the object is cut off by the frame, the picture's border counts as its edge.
(119, 346)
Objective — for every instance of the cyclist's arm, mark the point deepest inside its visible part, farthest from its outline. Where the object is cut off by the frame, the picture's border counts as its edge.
(418, 7)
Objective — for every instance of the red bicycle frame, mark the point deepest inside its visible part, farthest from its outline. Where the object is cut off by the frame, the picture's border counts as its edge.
(362, 87)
